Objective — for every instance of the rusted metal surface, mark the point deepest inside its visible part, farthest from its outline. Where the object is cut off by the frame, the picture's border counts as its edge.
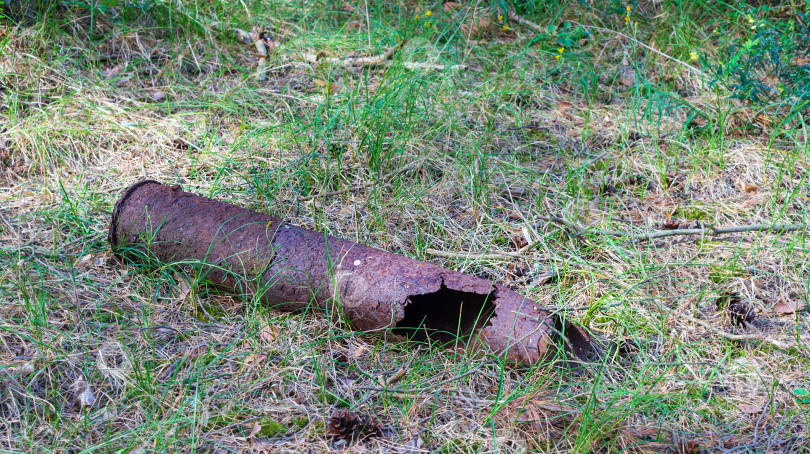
(289, 267)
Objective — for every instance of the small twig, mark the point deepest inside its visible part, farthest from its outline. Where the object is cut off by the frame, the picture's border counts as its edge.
(264, 45)
(394, 378)
(578, 230)
(356, 61)
(714, 231)
(735, 337)
(537, 28)
(378, 60)
(472, 255)
(153, 56)
(236, 33)
(11, 227)
(432, 66)
(710, 231)
(483, 255)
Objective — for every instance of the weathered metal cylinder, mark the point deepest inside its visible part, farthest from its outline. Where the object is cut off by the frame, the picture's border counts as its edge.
(258, 256)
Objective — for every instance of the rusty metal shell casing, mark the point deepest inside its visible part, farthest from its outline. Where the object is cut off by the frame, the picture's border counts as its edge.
(258, 256)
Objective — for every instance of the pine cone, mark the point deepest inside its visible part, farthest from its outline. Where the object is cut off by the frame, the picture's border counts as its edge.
(737, 311)
(344, 424)
(348, 425)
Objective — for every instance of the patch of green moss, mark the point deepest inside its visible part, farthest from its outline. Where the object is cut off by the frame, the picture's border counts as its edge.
(696, 213)
(214, 310)
(271, 428)
(721, 274)
(540, 135)
(300, 422)
(206, 359)
(707, 244)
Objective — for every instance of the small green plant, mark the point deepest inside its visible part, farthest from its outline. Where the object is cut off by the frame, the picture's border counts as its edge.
(802, 395)
(769, 65)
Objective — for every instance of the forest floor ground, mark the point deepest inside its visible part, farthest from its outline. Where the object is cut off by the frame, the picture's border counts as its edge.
(482, 134)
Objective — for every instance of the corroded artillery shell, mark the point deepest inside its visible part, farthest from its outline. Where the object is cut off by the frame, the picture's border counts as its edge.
(258, 256)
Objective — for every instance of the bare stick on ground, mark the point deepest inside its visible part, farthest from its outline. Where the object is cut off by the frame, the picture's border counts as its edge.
(264, 44)
(484, 255)
(736, 337)
(236, 33)
(578, 230)
(708, 231)
(377, 60)
(374, 60)
(261, 39)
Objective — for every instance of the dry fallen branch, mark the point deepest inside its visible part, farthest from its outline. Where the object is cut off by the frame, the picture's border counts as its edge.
(578, 230)
(473, 255)
(261, 39)
(376, 60)
(236, 33)
(708, 231)
(484, 255)
(432, 66)
(264, 44)
(736, 337)
(356, 61)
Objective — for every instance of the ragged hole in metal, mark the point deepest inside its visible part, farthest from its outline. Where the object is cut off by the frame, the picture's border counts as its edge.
(445, 315)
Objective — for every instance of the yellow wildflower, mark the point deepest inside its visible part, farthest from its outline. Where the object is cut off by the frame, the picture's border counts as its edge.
(693, 56)
(627, 18)
(629, 8)
(428, 13)
(500, 17)
(417, 17)
(505, 28)
(558, 57)
(561, 50)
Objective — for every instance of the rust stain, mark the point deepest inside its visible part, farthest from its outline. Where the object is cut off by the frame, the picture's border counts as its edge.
(255, 255)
